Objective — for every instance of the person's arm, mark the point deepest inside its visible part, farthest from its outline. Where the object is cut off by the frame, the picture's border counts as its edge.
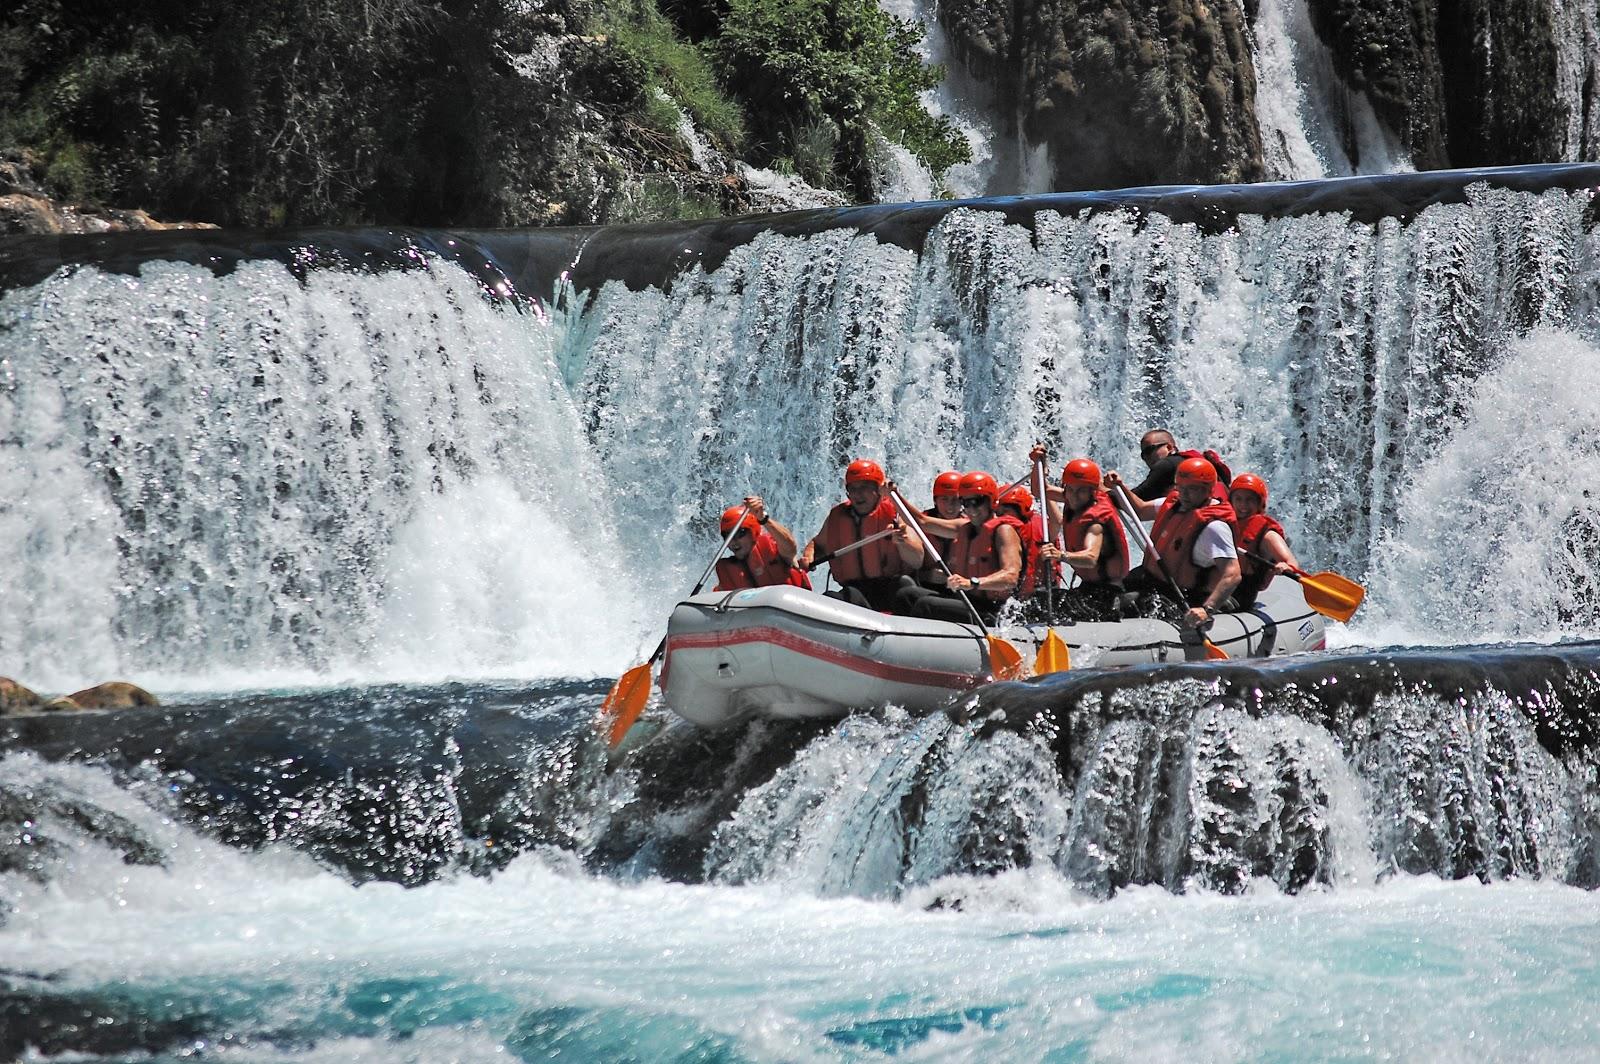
(1093, 543)
(809, 555)
(1009, 546)
(1145, 508)
(909, 544)
(782, 537)
(943, 527)
(1276, 549)
(1214, 549)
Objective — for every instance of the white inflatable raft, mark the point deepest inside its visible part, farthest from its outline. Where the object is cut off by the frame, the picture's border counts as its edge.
(787, 652)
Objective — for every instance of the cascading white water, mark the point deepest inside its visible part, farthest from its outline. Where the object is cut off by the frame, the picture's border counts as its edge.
(1333, 358)
(1003, 163)
(1577, 36)
(1312, 124)
(1178, 788)
(1497, 538)
(218, 480)
(243, 478)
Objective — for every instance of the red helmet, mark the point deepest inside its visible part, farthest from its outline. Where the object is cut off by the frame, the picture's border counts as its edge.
(730, 517)
(1082, 472)
(1195, 471)
(1251, 483)
(947, 485)
(979, 484)
(864, 469)
(1021, 498)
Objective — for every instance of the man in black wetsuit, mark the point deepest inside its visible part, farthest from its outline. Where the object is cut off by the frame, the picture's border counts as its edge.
(1160, 452)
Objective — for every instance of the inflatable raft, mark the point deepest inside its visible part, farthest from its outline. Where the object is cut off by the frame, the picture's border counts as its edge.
(787, 652)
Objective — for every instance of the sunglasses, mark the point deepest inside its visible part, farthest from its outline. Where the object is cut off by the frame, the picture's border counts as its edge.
(1150, 448)
(974, 502)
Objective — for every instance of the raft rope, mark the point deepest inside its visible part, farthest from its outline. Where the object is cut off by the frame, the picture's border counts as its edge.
(969, 632)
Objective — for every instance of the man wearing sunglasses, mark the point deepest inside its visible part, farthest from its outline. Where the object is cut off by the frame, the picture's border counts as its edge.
(1160, 453)
(985, 558)
(761, 554)
(870, 576)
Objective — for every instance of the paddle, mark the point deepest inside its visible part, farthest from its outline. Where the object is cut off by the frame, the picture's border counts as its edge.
(857, 545)
(1328, 593)
(1005, 661)
(1131, 512)
(1053, 655)
(627, 697)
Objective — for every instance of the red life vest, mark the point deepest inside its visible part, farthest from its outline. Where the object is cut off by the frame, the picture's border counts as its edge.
(940, 544)
(976, 554)
(1032, 535)
(762, 567)
(843, 526)
(1174, 534)
(1251, 533)
(1113, 563)
(1224, 474)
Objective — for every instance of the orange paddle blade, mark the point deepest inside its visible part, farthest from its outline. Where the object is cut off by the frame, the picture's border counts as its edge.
(1214, 652)
(1053, 656)
(1005, 661)
(1332, 595)
(624, 702)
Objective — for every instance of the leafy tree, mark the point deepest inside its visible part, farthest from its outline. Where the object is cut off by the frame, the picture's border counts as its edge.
(804, 66)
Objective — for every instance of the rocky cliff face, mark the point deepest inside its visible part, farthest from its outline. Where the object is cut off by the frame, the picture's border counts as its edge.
(1466, 82)
(1128, 93)
(1124, 92)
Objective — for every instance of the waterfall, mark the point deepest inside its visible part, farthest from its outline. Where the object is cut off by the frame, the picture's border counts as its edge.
(258, 478)
(1577, 34)
(1003, 163)
(1337, 776)
(249, 479)
(1312, 124)
(1338, 360)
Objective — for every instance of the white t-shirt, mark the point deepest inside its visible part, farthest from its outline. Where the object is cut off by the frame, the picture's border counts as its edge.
(1214, 543)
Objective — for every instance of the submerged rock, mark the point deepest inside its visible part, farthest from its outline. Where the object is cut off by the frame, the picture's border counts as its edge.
(117, 694)
(15, 698)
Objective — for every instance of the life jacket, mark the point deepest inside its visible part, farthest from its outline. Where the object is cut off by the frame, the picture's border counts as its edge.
(1113, 563)
(1254, 576)
(762, 567)
(843, 526)
(940, 544)
(1174, 534)
(1224, 474)
(1033, 568)
(976, 554)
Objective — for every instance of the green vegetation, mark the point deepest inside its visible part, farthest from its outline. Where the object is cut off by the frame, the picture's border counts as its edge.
(450, 112)
(818, 75)
(679, 69)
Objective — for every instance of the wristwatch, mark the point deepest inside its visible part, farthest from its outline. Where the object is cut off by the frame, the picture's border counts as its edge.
(764, 519)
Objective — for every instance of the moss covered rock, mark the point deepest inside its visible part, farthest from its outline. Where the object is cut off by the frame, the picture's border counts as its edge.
(1123, 92)
(1470, 83)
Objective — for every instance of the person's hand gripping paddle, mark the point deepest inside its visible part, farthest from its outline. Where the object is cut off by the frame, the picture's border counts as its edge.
(1131, 517)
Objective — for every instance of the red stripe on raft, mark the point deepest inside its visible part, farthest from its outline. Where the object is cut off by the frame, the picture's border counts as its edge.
(881, 670)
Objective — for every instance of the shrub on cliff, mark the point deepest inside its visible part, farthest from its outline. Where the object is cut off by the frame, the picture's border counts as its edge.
(817, 75)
